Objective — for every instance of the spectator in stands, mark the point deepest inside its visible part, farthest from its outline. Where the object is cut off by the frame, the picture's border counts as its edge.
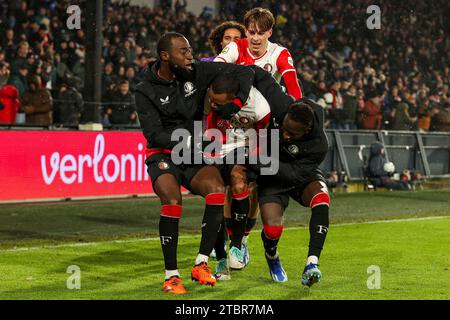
(37, 103)
(68, 107)
(350, 105)
(380, 170)
(371, 113)
(408, 57)
(122, 110)
(336, 112)
(9, 104)
(4, 73)
(402, 120)
(20, 80)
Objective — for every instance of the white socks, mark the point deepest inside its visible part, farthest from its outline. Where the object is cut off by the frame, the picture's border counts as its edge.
(171, 273)
(312, 259)
(201, 258)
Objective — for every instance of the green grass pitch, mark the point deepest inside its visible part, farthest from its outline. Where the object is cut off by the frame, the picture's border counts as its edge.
(113, 244)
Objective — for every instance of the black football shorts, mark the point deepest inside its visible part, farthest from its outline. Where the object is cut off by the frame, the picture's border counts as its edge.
(159, 164)
(268, 193)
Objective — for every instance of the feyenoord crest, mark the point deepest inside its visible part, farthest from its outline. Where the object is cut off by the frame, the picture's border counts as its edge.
(293, 149)
(243, 120)
(162, 165)
(268, 67)
(189, 88)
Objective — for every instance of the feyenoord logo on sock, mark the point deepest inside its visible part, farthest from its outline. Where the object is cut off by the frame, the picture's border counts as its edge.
(165, 240)
(322, 229)
(239, 217)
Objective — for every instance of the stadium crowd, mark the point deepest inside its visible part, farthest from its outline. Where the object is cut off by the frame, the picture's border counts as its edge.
(396, 78)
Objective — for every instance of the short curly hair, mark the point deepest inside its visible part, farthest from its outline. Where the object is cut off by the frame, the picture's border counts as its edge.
(216, 36)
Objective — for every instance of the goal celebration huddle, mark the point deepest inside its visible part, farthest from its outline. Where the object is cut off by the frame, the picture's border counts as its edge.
(243, 97)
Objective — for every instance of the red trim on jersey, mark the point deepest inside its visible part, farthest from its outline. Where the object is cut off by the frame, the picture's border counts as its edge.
(321, 198)
(172, 211)
(253, 57)
(262, 124)
(151, 151)
(238, 102)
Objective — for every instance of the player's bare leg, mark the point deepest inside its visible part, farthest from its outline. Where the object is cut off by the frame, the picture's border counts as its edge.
(317, 196)
(272, 218)
(209, 184)
(168, 190)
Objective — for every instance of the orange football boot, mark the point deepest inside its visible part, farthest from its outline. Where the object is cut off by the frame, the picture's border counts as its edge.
(174, 285)
(202, 273)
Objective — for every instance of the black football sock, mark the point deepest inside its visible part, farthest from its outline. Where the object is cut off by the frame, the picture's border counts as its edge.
(249, 226)
(168, 234)
(240, 206)
(318, 229)
(270, 245)
(219, 247)
(212, 219)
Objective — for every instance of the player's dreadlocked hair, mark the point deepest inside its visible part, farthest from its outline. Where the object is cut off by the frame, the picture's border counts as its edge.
(225, 83)
(302, 112)
(216, 36)
(165, 42)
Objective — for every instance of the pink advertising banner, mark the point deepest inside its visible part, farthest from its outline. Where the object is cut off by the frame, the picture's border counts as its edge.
(54, 165)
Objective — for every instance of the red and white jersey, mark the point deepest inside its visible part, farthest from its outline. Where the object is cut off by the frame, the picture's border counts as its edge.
(276, 59)
(254, 114)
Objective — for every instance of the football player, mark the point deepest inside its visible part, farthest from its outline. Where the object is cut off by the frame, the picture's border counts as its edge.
(256, 49)
(170, 97)
(303, 147)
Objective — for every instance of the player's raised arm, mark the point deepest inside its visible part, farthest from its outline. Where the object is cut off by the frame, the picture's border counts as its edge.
(278, 100)
(229, 54)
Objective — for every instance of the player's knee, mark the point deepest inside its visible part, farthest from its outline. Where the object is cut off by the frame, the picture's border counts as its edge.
(273, 232)
(321, 198)
(239, 187)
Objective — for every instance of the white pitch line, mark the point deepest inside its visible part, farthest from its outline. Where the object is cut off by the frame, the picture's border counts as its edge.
(197, 235)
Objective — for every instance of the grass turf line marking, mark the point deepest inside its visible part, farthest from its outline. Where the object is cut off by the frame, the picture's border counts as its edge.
(198, 235)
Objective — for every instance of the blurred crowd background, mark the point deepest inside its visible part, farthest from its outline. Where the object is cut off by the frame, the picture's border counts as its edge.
(395, 78)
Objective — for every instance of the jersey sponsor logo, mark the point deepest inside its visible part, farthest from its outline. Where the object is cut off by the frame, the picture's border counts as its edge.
(189, 89)
(164, 101)
(163, 165)
(268, 67)
(293, 149)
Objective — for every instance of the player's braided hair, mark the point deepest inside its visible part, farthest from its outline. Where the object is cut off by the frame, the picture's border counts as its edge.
(216, 36)
(302, 112)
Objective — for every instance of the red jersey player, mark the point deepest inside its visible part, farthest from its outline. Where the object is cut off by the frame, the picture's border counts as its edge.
(256, 49)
